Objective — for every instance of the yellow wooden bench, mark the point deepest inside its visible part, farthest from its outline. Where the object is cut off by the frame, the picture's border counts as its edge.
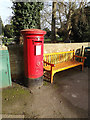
(55, 62)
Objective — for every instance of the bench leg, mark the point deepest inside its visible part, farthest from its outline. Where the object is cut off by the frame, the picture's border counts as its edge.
(52, 74)
(51, 78)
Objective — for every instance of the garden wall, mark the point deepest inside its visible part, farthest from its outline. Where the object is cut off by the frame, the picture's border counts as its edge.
(59, 47)
(17, 60)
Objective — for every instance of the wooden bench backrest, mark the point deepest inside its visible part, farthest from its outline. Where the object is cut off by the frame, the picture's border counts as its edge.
(55, 58)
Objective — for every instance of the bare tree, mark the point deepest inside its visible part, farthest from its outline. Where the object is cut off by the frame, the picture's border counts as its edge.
(54, 21)
(46, 16)
(58, 15)
(65, 12)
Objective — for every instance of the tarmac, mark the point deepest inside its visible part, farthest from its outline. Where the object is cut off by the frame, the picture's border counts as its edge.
(67, 97)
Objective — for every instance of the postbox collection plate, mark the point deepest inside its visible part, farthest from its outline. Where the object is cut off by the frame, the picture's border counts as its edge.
(38, 49)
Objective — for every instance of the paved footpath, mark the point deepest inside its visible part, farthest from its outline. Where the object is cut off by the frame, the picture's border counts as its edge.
(67, 97)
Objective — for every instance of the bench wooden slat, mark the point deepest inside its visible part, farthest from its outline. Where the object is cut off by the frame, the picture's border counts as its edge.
(65, 65)
(57, 53)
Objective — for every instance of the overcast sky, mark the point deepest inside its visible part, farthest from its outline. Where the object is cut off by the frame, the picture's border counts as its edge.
(5, 10)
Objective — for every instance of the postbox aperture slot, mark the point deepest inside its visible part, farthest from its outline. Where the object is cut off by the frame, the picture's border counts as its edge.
(38, 41)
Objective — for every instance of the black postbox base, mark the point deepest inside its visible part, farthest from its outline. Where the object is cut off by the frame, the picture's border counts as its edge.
(33, 83)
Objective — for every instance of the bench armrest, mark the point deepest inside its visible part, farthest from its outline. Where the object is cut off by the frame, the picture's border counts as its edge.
(49, 63)
(80, 57)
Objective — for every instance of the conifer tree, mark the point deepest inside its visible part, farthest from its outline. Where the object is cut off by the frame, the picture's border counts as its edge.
(25, 16)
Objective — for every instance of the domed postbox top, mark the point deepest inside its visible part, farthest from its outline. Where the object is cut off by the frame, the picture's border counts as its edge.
(33, 31)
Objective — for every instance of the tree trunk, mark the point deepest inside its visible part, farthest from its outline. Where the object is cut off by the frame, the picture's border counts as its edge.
(53, 21)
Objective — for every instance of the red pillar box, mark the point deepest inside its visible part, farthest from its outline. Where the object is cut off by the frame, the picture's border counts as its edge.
(33, 56)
